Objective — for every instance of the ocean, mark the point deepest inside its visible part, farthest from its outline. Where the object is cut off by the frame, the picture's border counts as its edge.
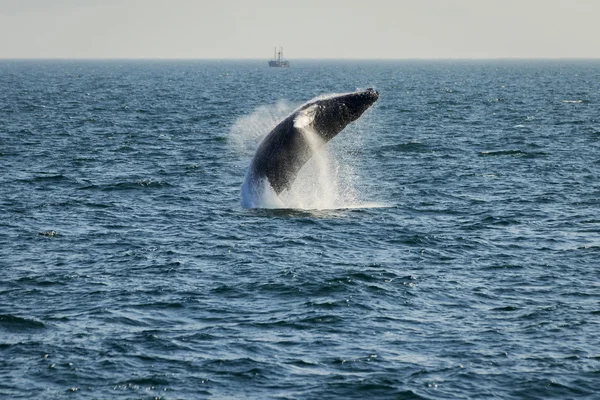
(446, 245)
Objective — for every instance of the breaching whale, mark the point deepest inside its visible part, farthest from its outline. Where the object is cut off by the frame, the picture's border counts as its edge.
(284, 151)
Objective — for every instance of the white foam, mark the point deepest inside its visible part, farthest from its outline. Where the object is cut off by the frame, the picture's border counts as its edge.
(258, 193)
(318, 184)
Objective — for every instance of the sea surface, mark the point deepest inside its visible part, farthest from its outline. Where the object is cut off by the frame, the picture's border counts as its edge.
(450, 250)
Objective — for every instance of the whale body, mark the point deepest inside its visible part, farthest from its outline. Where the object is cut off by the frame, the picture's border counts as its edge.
(284, 151)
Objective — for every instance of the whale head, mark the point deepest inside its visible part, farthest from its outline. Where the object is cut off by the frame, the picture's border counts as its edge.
(355, 104)
(333, 113)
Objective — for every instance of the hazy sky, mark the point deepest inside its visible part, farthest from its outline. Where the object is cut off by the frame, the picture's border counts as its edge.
(306, 28)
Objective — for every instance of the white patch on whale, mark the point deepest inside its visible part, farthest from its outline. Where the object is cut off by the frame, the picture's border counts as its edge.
(305, 117)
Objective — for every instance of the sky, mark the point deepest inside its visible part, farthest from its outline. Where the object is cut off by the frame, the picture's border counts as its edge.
(337, 29)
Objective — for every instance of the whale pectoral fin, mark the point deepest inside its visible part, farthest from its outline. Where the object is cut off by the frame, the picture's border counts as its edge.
(305, 117)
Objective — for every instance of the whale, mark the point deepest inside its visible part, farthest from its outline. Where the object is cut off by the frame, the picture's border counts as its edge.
(284, 151)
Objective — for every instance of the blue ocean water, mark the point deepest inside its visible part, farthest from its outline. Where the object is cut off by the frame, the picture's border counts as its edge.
(460, 258)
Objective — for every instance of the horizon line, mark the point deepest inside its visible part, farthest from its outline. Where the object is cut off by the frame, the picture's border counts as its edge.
(301, 59)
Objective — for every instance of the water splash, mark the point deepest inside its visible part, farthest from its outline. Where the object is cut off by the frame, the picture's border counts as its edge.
(248, 131)
(324, 182)
(327, 181)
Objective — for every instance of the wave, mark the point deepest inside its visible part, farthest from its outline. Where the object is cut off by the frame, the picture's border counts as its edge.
(317, 212)
(130, 185)
(514, 153)
(12, 322)
(408, 147)
(45, 178)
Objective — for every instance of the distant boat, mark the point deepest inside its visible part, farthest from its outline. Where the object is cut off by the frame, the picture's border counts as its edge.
(278, 60)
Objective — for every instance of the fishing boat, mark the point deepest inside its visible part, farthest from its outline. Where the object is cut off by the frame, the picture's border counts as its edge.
(278, 60)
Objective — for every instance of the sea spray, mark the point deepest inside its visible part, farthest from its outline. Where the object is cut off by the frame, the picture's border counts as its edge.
(326, 181)
(249, 130)
(258, 193)
(318, 185)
